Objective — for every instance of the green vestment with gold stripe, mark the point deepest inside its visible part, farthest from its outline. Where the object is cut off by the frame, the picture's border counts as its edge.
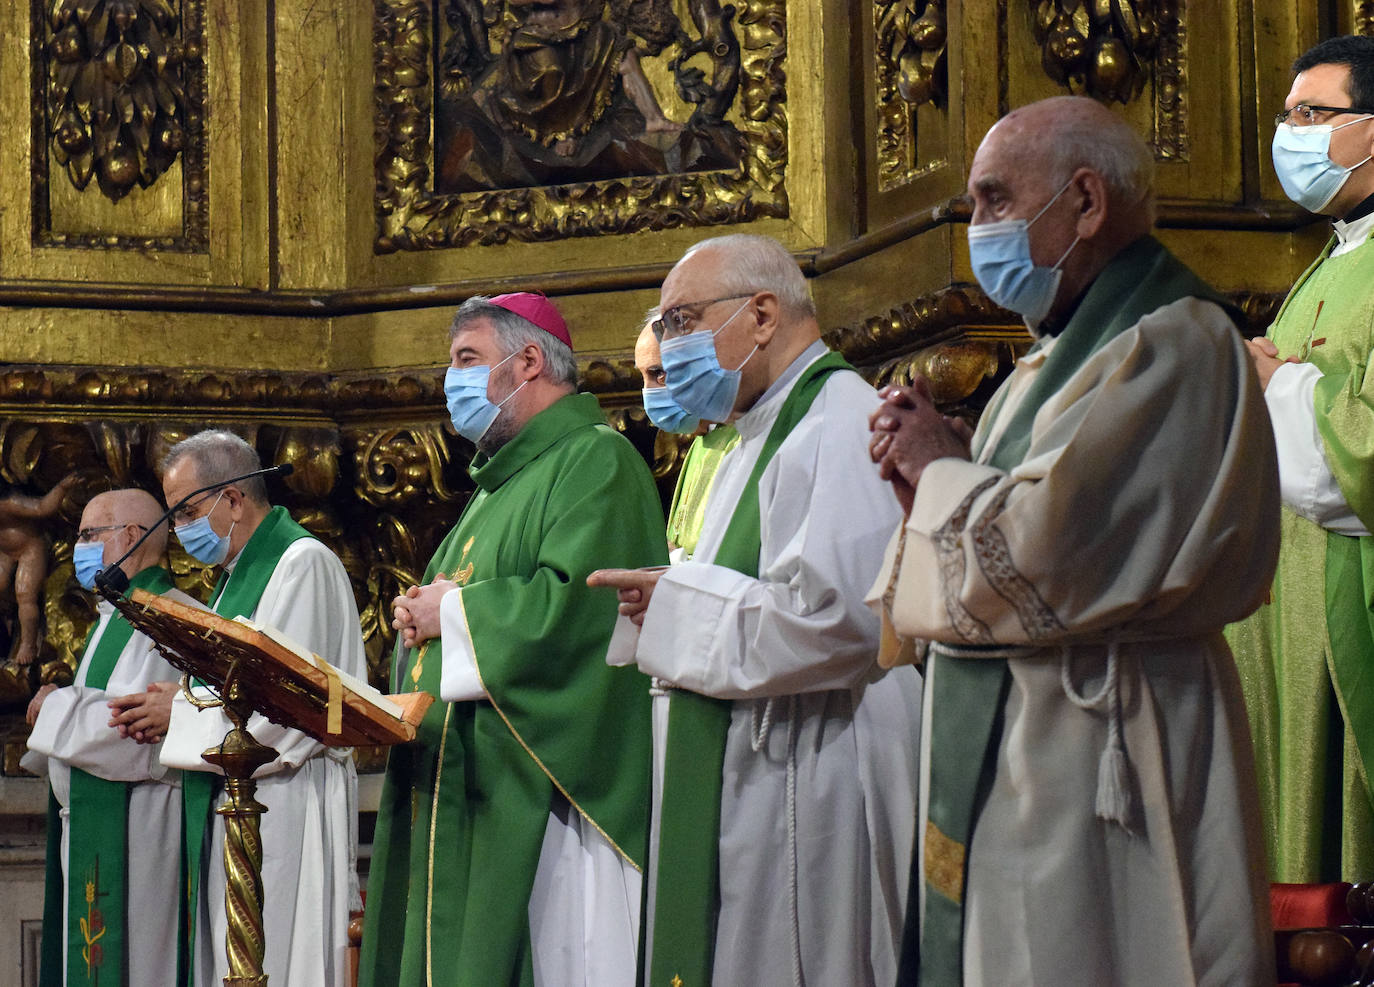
(465, 806)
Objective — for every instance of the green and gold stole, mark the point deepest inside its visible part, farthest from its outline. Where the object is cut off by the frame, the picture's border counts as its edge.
(97, 826)
(688, 881)
(236, 595)
(968, 694)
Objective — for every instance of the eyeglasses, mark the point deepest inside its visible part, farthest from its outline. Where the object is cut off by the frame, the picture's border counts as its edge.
(185, 514)
(1305, 114)
(674, 321)
(89, 534)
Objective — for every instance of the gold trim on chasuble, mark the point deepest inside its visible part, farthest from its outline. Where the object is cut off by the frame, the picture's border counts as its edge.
(533, 756)
(944, 859)
(429, 877)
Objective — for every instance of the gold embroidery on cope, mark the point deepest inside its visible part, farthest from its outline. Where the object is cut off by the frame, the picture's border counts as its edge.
(944, 863)
(463, 574)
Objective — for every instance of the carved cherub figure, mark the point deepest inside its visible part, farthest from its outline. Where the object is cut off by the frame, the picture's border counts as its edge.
(24, 558)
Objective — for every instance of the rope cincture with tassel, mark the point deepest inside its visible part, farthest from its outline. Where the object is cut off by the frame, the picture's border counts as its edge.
(1114, 802)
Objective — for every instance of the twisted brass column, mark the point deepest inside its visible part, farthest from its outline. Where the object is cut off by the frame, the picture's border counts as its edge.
(238, 756)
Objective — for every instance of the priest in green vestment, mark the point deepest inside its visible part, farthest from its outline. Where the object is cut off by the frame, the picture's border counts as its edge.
(114, 864)
(278, 575)
(781, 840)
(512, 832)
(1088, 804)
(1307, 657)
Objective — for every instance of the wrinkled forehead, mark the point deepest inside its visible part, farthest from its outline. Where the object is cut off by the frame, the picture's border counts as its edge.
(97, 512)
(646, 350)
(692, 276)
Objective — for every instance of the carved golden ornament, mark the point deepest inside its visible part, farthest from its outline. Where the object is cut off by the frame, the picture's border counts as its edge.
(745, 46)
(1099, 48)
(121, 95)
(911, 71)
(397, 465)
(1362, 17)
(924, 320)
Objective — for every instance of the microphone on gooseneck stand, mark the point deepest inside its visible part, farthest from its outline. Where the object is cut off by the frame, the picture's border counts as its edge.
(112, 581)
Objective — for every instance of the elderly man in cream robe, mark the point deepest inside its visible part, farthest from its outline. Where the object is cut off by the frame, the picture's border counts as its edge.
(72, 734)
(1088, 804)
(782, 838)
(277, 575)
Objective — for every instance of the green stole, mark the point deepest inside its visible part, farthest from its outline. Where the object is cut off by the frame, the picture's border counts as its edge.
(236, 595)
(1322, 304)
(97, 826)
(688, 878)
(969, 693)
(694, 484)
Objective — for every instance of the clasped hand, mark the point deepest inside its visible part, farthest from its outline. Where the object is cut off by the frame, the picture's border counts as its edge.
(909, 434)
(415, 613)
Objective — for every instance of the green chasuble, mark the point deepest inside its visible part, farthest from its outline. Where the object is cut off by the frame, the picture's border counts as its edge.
(97, 864)
(969, 694)
(464, 807)
(1306, 658)
(694, 483)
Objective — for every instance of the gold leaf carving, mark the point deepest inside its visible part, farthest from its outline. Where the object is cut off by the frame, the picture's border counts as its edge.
(1100, 48)
(911, 71)
(745, 44)
(119, 95)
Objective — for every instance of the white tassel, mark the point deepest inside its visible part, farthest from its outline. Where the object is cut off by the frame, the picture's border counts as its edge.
(1114, 800)
(1114, 787)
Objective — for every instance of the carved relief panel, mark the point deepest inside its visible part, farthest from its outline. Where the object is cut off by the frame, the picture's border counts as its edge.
(118, 107)
(508, 119)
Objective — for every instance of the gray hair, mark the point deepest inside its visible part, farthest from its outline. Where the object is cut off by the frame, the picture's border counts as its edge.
(753, 263)
(220, 456)
(514, 332)
(1114, 151)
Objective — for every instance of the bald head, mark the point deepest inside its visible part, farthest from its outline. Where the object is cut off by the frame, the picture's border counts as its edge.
(747, 291)
(648, 361)
(1079, 174)
(134, 512)
(1056, 137)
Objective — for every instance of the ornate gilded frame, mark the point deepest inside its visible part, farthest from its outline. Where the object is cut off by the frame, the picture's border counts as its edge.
(412, 216)
(195, 178)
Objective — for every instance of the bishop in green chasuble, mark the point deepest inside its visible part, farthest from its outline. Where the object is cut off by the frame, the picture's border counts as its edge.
(539, 772)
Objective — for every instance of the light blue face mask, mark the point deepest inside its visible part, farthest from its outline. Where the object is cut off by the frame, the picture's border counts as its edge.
(696, 380)
(89, 558)
(1001, 259)
(200, 540)
(666, 413)
(1302, 159)
(465, 390)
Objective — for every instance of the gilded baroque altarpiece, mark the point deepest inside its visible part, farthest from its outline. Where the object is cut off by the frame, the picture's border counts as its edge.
(261, 214)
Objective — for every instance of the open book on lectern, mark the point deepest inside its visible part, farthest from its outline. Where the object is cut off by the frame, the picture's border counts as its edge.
(276, 676)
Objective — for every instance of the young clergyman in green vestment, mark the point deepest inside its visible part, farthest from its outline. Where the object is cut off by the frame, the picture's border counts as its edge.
(278, 575)
(511, 834)
(114, 887)
(1089, 813)
(1305, 657)
(782, 827)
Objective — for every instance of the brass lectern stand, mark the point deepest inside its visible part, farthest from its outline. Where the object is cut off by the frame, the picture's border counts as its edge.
(253, 671)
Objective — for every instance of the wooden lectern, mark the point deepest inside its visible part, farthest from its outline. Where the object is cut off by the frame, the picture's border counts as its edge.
(256, 670)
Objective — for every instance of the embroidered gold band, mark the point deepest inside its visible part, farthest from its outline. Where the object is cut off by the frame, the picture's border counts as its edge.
(944, 864)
